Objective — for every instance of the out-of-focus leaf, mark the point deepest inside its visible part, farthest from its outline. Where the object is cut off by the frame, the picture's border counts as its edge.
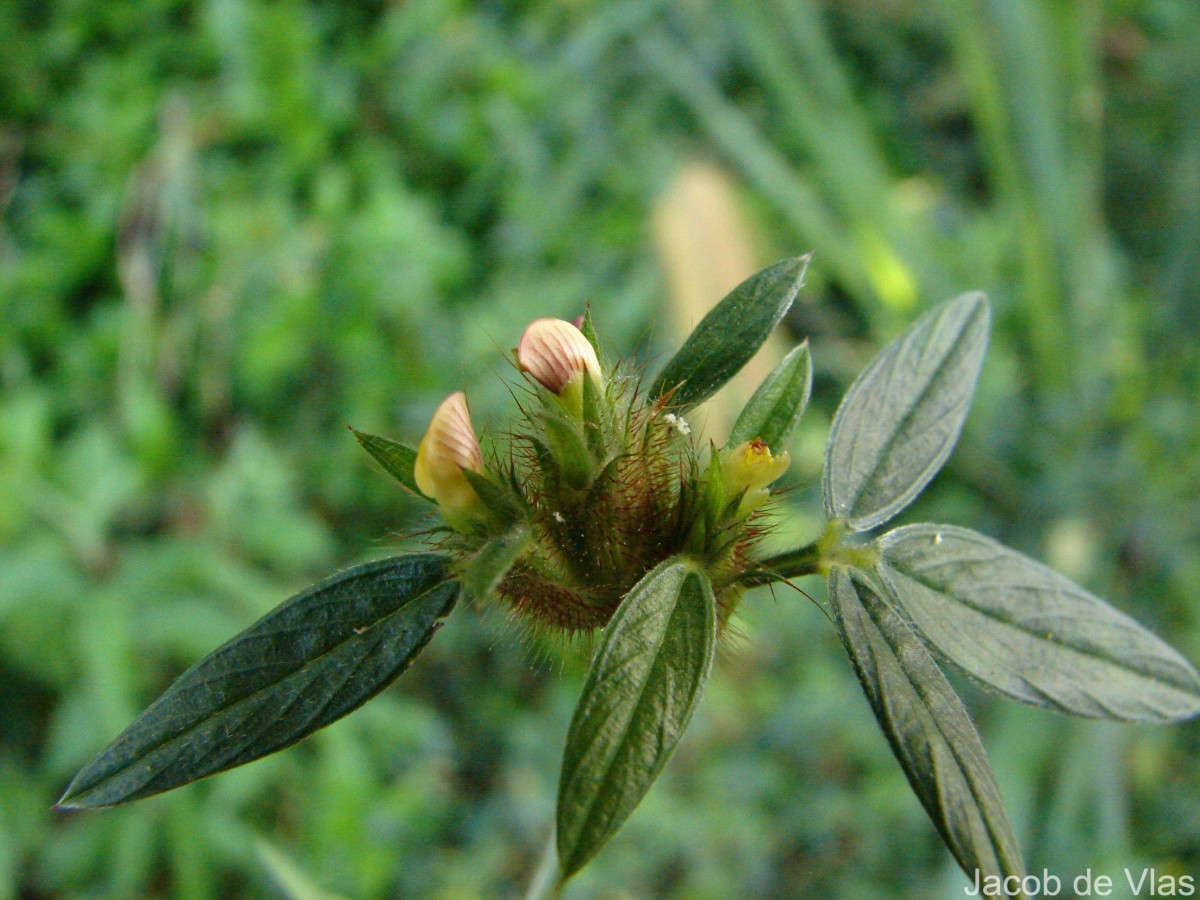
(928, 728)
(730, 334)
(397, 459)
(1031, 633)
(903, 414)
(776, 407)
(292, 881)
(307, 663)
(639, 696)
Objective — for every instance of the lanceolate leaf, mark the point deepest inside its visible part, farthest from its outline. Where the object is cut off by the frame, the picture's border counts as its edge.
(396, 459)
(307, 663)
(1030, 633)
(777, 405)
(928, 728)
(730, 334)
(643, 687)
(903, 414)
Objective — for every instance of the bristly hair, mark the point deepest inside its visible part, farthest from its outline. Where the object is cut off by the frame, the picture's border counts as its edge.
(643, 503)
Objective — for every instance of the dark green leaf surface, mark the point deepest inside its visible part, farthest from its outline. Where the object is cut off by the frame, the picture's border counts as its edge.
(643, 687)
(903, 414)
(491, 563)
(1031, 633)
(397, 459)
(307, 663)
(730, 334)
(928, 728)
(776, 407)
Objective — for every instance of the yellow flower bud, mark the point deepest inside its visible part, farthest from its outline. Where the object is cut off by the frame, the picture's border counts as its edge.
(750, 467)
(556, 354)
(449, 446)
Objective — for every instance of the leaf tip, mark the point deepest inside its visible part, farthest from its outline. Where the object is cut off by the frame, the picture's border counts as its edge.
(974, 303)
(73, 798)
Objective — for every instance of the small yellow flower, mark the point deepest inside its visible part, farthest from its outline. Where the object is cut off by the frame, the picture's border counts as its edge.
(449, 447)
(557, 355)
(751, 467)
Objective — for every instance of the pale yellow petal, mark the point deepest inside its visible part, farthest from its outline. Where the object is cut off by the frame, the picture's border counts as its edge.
(554, 352)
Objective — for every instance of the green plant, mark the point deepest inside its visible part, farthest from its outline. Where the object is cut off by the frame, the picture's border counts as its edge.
(602, 512)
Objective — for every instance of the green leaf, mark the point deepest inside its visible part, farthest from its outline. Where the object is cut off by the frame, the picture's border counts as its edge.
(730, 334)
(776, 407)
(643, 687)
(903, 414)
(397, 459)
(1030, 633)
(928, 728)
(491, 563)
(305, 664)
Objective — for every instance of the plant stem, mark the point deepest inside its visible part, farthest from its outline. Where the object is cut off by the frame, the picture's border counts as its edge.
(546, 884)
(792, 564)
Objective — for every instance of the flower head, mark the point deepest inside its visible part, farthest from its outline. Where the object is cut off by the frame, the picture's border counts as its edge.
(556, 354)
(751, 467)
(449, 447)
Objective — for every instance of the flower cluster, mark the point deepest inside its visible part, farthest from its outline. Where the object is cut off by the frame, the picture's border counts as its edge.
(602, 484)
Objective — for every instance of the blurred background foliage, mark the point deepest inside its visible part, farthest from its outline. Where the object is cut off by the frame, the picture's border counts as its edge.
(230, 227)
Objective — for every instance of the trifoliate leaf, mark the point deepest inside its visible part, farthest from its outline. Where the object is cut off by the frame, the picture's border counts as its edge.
(1031, 633)
(928, 728)
(903, 414)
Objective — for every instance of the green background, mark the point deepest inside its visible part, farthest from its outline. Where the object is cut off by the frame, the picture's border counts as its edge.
(232, 227)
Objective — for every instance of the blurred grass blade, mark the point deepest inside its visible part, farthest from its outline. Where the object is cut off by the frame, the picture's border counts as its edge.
(730, 334)
(1031, 633)
(902, 416)
(928, 728)
(397, 459)
(312, 660)
(776, 407)
(643, 687)
(287, 876)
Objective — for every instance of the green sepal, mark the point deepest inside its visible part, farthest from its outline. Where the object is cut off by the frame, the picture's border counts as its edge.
(714, 492)
(729, 335)
(307, 663)
(569, 448)
(502, 508)
(588, 329)
(397, 459)
(778, 404)
(597, 418)
(484, 571)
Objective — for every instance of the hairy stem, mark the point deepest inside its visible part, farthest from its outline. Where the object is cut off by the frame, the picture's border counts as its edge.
(792, 564)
